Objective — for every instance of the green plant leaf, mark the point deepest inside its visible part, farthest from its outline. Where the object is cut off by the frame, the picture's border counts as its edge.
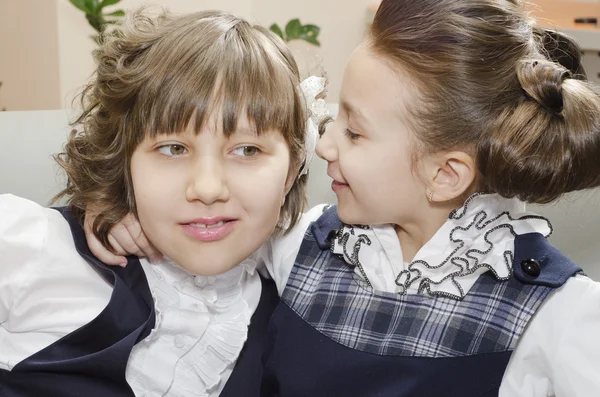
(107, 3)
(96, 21)
(118, 13)
(92, 6)
(310, 34)
(311, 30)
(81, 5)
(277, 30)
(293, 29)
(311, 40)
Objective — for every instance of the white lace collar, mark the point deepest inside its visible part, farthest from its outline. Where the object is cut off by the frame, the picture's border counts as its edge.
(201, 326)
(477, 237)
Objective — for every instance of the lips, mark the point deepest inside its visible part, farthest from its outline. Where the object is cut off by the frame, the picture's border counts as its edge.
(337, 186)
(209, 229)
(208, 226)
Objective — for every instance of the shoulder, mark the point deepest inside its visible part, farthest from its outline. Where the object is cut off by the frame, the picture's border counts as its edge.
(294, 237)
(41, 271)
(279, 253)
(29, 229)
(47, 289)
(36, 245)
(559, 348)
(22, 219)
(575, 301)
(24, 231)
(537, 262)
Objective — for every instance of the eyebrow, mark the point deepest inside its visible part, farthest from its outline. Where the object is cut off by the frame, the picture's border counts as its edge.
(248, 131)
(362, 120)
(348, 107)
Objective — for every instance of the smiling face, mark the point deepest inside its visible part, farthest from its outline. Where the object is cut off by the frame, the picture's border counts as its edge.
(369, 147)
(208, 201)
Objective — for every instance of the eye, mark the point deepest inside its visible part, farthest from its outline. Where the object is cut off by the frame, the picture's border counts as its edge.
(246, 151)
(172, 150)
(351, 135)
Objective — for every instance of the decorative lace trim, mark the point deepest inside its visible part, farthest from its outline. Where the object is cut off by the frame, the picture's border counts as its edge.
(215, 353)
(348, 242)
(220, 327)
(481, 236)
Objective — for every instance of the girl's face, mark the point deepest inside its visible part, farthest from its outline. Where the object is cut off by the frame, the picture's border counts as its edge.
(369, 146)
(207, 201)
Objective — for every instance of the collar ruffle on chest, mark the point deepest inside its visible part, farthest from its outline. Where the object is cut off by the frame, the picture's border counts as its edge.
(201, 326)
(477, 238)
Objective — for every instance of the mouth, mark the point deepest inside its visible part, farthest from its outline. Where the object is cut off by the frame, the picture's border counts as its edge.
(209, 229)
(338, 186)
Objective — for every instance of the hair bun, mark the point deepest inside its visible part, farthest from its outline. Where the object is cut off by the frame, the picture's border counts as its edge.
(542, 81)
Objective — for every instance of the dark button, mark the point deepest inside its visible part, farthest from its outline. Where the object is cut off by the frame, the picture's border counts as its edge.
(331, 236)
(531, 267)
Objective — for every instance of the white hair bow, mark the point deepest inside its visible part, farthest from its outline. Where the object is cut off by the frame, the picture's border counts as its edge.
(311, 88)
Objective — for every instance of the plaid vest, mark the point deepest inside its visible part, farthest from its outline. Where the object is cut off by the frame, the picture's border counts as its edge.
(336, 336)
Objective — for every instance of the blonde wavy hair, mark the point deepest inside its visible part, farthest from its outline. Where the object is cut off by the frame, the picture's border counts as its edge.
(162, 73)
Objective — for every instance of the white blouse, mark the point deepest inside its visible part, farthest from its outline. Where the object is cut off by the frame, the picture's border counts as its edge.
(559, 352)
(47, 290)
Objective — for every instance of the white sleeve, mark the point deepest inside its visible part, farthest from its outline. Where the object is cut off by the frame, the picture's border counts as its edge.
(279, 253)
(47, 290)
(22, 232)
(559, 352)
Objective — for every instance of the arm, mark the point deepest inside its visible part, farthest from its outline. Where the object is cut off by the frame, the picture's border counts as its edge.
(47, 289)
(279, 253)
(559, 352)
(22, 232)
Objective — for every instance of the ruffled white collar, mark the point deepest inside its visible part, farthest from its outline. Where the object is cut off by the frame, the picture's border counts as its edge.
(201, 326)
(477, 237)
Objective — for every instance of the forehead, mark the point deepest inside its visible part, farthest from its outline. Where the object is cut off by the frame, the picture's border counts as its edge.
(215, 122)
(213, 125)
(373, 89)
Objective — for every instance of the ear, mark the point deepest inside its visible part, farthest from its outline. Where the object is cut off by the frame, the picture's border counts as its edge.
(449, 175)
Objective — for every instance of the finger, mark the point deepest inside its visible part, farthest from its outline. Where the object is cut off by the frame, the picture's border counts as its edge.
(138, 235)
(97, 248)
(105, 255)
(116, 247)
(123, 242)
(88, 221)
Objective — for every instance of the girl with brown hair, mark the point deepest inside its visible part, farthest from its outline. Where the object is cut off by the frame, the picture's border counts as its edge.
(195, 123)
(430, 279)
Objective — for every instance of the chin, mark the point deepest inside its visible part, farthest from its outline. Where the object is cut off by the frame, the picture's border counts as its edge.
(209, 269)
(349, 217)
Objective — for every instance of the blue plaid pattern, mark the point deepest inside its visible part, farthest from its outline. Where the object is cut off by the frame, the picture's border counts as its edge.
(326, 293)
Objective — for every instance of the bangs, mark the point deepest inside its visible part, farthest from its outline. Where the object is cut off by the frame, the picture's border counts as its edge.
(234, 71)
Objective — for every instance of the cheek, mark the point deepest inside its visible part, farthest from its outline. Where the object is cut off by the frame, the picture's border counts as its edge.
(261, 189)
(153, 186)
(376, 171)
(357, 165)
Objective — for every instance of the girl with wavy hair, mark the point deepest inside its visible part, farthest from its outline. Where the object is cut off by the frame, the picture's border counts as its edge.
(196, 125)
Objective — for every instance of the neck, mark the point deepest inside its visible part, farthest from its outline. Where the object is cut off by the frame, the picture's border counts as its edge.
(415, 233)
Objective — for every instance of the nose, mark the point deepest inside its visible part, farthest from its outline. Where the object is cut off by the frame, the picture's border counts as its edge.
(207, 182)
(326, 148)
